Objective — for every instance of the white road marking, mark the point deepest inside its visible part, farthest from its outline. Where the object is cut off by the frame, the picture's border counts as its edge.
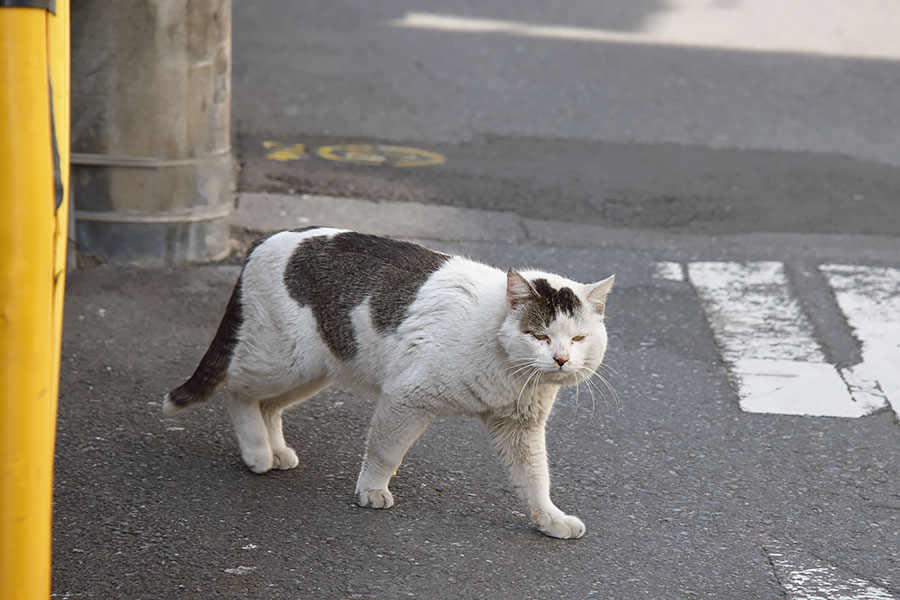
(671, 271)
(864, 386)
(753, 313)
(867, 28)
(870, 299)
(791, 387)
(768, 342)
(805, 577)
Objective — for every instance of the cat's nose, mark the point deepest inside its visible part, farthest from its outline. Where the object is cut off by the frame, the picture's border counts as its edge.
(561, 360)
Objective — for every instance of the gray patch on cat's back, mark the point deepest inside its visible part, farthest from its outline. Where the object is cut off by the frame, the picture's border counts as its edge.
(334, 275)
(546, 304)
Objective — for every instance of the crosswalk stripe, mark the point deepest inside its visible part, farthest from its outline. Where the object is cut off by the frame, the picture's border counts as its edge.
(669, 270)
(752, 312)
(805, 577)
(870, 300)
(768, 342)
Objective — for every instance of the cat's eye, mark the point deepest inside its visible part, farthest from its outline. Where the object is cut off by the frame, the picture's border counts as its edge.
(578, 338)
(539, 336)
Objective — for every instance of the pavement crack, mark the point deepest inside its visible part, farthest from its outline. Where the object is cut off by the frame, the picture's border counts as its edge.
(774, 570)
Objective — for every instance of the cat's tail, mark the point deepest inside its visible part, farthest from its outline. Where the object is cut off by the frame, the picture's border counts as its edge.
(213, 367)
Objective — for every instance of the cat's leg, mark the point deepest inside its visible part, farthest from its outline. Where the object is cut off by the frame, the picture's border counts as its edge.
(394, 429)
(283, 456)
(251, 430)
(520, 446)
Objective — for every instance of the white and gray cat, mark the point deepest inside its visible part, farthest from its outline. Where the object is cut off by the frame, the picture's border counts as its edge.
(432, 335)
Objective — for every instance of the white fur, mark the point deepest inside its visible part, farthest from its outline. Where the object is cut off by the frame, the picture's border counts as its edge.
(459, 351)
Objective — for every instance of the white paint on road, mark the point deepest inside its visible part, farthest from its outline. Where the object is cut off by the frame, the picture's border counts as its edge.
(752, 311)
(870, 299)
(864, 386)
(671, 271)
(769, 343)
(863, 29)
(793, 387)
(805, 577)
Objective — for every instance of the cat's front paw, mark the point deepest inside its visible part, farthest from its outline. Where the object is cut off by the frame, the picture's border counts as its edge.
(258, 460)
(375, 499)
(564, 527)
(284, 458)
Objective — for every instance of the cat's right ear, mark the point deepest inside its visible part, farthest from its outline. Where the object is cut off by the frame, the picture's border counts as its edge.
(597, 293)
(518, 289)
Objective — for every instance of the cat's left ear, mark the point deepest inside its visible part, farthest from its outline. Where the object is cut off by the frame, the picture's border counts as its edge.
(518, 289)
(597, 293)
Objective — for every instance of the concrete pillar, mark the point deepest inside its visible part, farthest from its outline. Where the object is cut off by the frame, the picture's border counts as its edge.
(152, 177)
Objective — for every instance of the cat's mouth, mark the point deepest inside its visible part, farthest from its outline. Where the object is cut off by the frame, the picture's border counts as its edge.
(561, 374)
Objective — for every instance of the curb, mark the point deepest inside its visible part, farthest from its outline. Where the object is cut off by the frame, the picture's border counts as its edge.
(261, 213)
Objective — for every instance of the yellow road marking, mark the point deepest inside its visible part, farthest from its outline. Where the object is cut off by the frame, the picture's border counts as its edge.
(359, 154)
(379, 154)
(284, 153)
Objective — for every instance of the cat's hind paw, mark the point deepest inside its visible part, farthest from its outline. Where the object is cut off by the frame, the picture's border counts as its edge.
(284, 458)
(564, 527)
(375, 499)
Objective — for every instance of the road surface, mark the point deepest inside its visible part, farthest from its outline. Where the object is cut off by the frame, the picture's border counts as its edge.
(736, 164)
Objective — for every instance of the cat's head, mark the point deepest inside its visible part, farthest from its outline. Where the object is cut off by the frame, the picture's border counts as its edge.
(554, 327)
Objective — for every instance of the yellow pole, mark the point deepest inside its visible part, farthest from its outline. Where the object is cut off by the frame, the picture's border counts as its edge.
(58, 42)
(33, 51)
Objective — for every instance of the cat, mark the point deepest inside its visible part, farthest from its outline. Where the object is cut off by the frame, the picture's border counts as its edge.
(433, 335)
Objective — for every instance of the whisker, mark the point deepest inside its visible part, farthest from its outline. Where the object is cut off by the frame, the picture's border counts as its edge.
(522, 368)
(582, 378)
(584, 374)
(612, 390)
(610, 370)
(516, 379)
(512, 370)
(520, 359)
(518, 365)
(524, 385)
(587, 382)
(575, 416)
(593, 386)
(513, 364)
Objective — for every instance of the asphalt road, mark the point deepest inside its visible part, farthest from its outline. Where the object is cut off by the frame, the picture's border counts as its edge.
(683, 494)
(579, 138)
(785, 124)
